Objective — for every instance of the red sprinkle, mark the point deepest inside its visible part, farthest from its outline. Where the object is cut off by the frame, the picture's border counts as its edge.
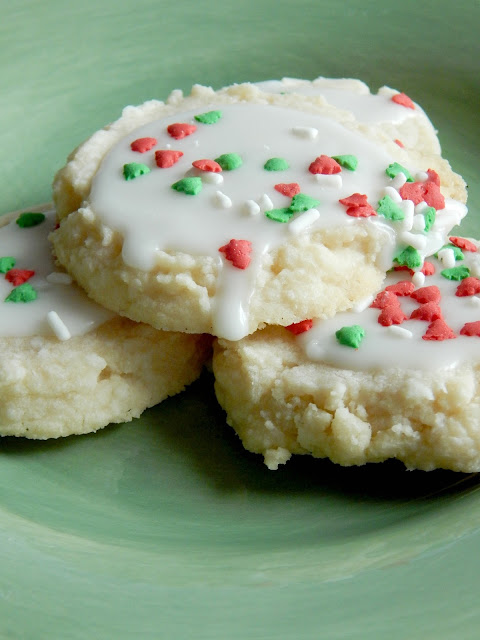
(238, 252)
(143, 144)
(432, 195)
(207, 165)
(463, 243)
(18, 276)
(361, 212)
(413, 191)
(468, 287)
(300, 327)
(429, 311)
(357, 206)
(433, 176)
(403, 100)
(403, 267)
(166, 158)
(180, 130)
(392, 314)
(438, 330)
(471, 329)
(402, 288)
(355, 200)
(324, 165)
(428, 269)
(385, 299)
(289, 190)
(427, 294)
(400, 143)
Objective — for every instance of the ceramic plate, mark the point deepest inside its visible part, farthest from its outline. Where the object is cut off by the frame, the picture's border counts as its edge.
(165, 527)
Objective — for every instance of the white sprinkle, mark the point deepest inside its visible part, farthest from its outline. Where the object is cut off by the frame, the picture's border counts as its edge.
(58, 326)
(399, 180)
(414, 240)
(418, 222)
(251, 208)
(222, 200)
(421, 206)
(474, 301)
(303, 221)
(400, 332)
(407, 207)
(475, 267)
(393, 194)
(333, 181)
(447, 258)
(305, 132)
(418, 279)
(265, 203)
(361, 305)
(56, 277)
(421, 176)
(211, 177)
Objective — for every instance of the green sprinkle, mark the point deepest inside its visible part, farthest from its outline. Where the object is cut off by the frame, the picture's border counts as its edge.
(6, 264)
(394, 169)
(229, 161)
(279, 215)
(351, 336)
(190, 186)
(390, 209)
(25, 220)
(409, 257)
(429, 215)
(276, 164)
(134, 170)
(302, 202)
(348, 161)
(456, 273)
(209, 117)
(457, 252)
(23, 293)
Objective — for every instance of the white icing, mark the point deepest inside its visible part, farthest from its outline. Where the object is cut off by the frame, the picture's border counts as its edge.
(153, 217)
(57, 295)
(382, 349)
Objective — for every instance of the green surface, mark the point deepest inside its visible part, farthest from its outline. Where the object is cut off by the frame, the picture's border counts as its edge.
(165, 528)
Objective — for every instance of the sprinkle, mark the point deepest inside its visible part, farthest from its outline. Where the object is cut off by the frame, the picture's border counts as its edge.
(456, 273)
(209, 117)
(357, 206)
(210, 177)
(391, 314)
(276, 164)
(427, 294)
(189, 186)
(399, 142)
(58, 326)
(222, 200)
(402, 288)
(395, 168)
(393, 194)
(408, 209)
(361, 212)
(418, 279)
(279, 215)
(238, 253)
(300, 327)
(429, 312)
(133, 170)
(303, 221)
(302, 202)
(433, 176)
(6, 263)
(329, 182)
(400, 332)
(251, 208)
(350, 336)
(429, 215)
(389, 209)
(29, 219)
(207, 165)
(409, 257)
(24, 293)
(427, 191)
(18, 276)
(229, 161)
(433, 197)
(471, 329)
(385, 299)
(349, 162)
(180, 130)
(463, 243)
(439, 330)
(403, 100)
(324, 165)
(363, 304)
(265, 203)
(399, 180)
(165, 158)
(457, 252)
(474, 301)
(428, 269)
(355, 200)
(413, 239)
(57, 277)
(447, 258)
(468, 287)
(291, 189)
(305, 132)
(421, 176)
(142, 145)
(420, 207)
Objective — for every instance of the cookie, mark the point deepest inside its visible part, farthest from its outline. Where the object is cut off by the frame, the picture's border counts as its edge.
(398, 379)
(223, 212)
(68, 366)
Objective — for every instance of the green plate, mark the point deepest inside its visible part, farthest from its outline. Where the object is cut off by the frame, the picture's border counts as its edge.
(165, 527)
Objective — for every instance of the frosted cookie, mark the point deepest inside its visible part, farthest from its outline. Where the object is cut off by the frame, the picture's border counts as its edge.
(398, 379)
(222, 212)
(68, 366)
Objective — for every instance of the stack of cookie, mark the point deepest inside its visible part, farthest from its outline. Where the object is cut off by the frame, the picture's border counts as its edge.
(268, 217)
